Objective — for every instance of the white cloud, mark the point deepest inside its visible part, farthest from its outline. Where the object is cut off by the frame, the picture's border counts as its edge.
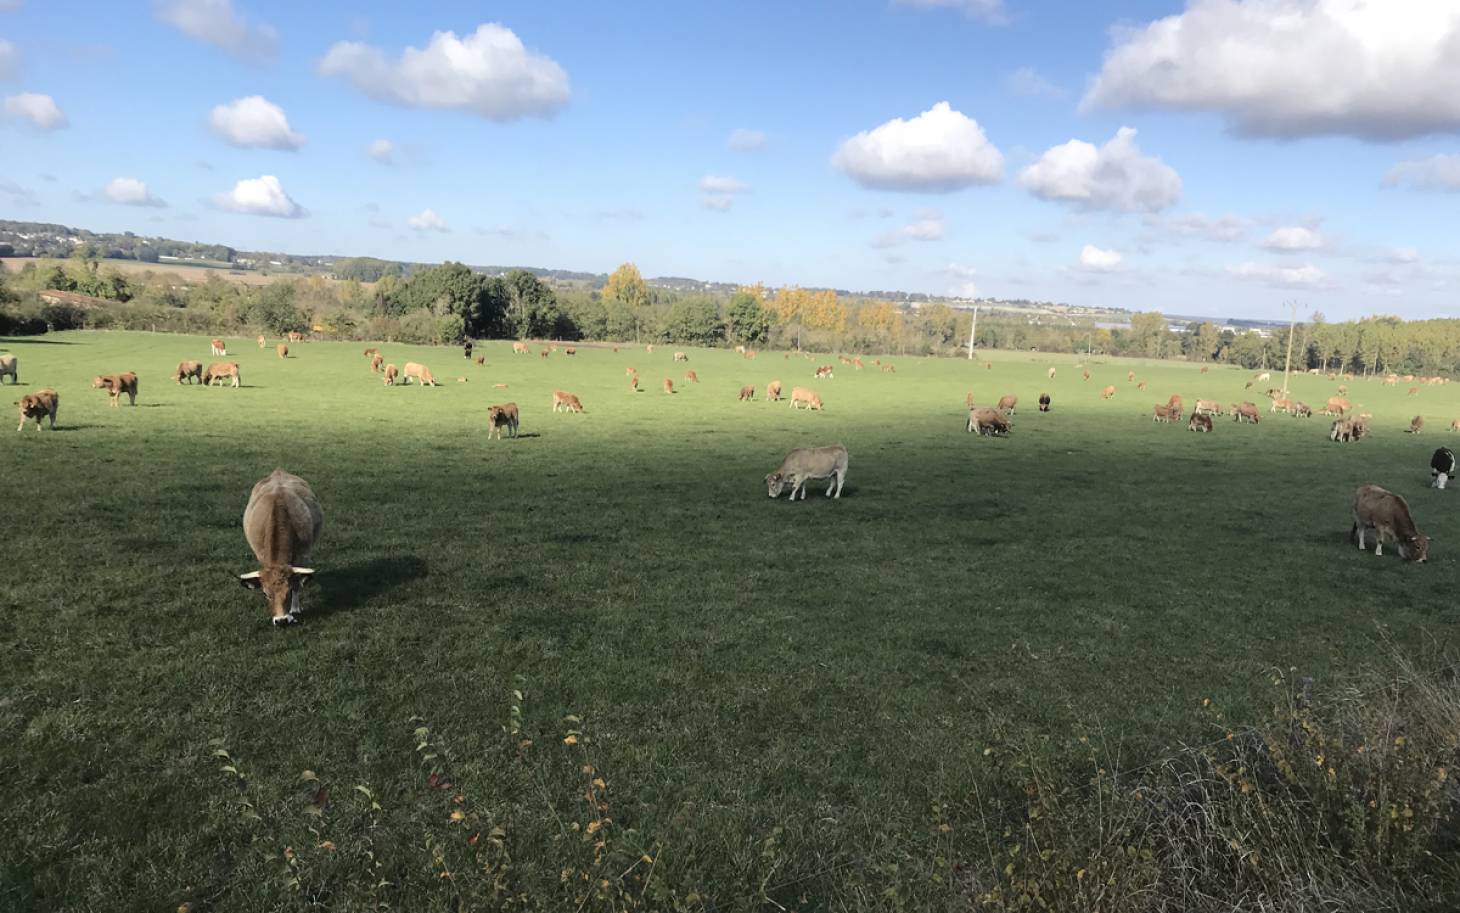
(129, 192)
(261, 196)
(963, 276)
(1438, 172)
(744, 140)
(489, 72)
(1097, 260)
(40, 110)
(940, 150)
(1198, 225)
(928, 226)
(254, 122)
(9, 60)
(382, 150)
(718, 191)
(427, 220)
(988, 10)
(215, 22)
(1287, 68)
(1115, 176)
(1291, 239)
(1305, 276)
(1027, 82)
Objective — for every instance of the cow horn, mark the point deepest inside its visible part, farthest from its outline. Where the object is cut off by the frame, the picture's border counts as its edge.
(306, 571)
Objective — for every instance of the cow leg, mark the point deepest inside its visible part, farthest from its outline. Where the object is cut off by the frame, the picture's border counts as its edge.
(1359, 532)
(841, 479)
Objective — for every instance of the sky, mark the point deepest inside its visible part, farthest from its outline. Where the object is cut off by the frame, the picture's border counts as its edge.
(1215, 157)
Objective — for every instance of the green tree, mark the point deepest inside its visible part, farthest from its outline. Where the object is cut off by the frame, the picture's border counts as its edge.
(531, 308)
(747, 321)
(627, 289)
(696, 321)
(275, 308)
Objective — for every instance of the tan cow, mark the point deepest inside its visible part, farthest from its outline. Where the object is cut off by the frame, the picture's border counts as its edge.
(38, 405)
(521, 348)
(1175, 402)
(1246, 412)
(220, 370)
(1130, 376)
(499, 417)
(1339, 405)
(634, 382)
(806, 463)
(1391, 379)
(1413, 391)
(295, 336)
(649, 348)
(372, 352)
(218, 347)
(773, 391)
(281, 523)
(1207, 407)
(1302, 410)
(1141, 385)
(857, 363)
(568, 402)
(1416, 424)
(631, 372)
(1455, 425)
(1007, 402)
(804, 395)
(9, 364)
(691, 377)
(680, 356)
(376, 361)
(1387, 514)
(1281, 405)
(192, 370)
(889, 368)
(1085, 374)
(1200, 421)
(1160, 413)
(1050, 373)
(747, 392)
(988, 422)
(740, 350)
(262, 342)
(570, 350)
(668, 385)
(968, 399)
(1108, 392)
(391, 373)
(543, 353)
(421, 373)
(823, 371)
(282, 349)
(117, 384)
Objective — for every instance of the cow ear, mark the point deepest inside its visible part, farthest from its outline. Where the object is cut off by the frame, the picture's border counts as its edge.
(250, 581)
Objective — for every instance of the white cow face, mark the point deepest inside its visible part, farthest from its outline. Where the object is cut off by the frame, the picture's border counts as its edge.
(281, 587)
(775, 483)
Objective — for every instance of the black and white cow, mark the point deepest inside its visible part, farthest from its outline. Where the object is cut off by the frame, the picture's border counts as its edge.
(1442, 467)
(1044, 402)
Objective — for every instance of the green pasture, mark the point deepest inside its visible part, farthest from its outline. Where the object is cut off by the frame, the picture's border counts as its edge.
(771, 694)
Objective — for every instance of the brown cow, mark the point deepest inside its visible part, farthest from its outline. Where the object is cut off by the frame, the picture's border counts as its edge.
(631, 372)
(371, 352)
(1085, 373)
(1455, 425)
(747, 392)
(1175, 402)
(634, 382)
(1387, 514)
(282, 522)
(421, 373)
(1302, 410)
(262, 342)
(1413, 391)
(1245, 412)
(376, 361)
(807, 396)
(1199, 422)
(1416, 425)
(1141, 385)
(857, 363)
(9, 364)
(1338, 405)
(750, 353)
(570, 350)
(521, 348)
(1007, 402)
(295, 336)
(282, 349)
(1207, 407)
(889, 368)
(192, 370)
(1108, 392)
(117, 384)
(988, 422)
(499, 417)
(568, 402)
(481, 359)
(1281, 405)
(692, 377)
(391, 372)
(38, 405)
(1205, 369)
(1160, 413)
(543, 353)
(218, 347)
(773, 391)
(823, 371)
(668, 385)
(219, 370)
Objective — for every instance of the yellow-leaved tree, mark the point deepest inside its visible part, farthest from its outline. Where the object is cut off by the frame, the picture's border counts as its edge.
(818, 310)
(627, 288)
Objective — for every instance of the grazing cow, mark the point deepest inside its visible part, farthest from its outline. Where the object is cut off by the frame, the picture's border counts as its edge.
(481, 359)
(634, 382)
(38, 405)
(1085, 374)
(1264, 377)
(1281, 405)
(988, 422)
(750, 353)
(466, 348)
(543, 353)
(747, 392)
(844, 360)
(376, 361)
(631, 372)
(568, 402)
(282, 523)
(1442, 467)
(1342, 389)
(1245, 412)
(1302, 410)
(740, 350)
(857, 363)
(1455, 425)
(1413, 391)
(806, 463)
(1206, 407)
(499, 417)
(9, 364)
(117, 384)
(1050, 373)
(421, 373)
(1044, 402)
(262, 342)
(1130, 376)
(220, 370)
(1200, 421)
(803, 395)
(1160, 413)
(1342, 430)
(1205, 369)
(1408, 378)
(1387, 514)
(372, 352)
(668, 385)
(1108, 392)
(889, 368)
(968, 399)
(218, 347)
(192, 370)
(1007, 402)
(295, 336)
(1175, 402)
(1337, 405)
(570, 350)
(1141, 385)
(391, 372)
(988, 366)
(680, 356)
(282, 349)
(521, 348)
(823, 371)
(1391, 379)
(1416, 424)
(773, 391)
(692, 377)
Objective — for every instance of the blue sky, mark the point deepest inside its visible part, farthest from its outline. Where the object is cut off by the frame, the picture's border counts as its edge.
(1284, 150)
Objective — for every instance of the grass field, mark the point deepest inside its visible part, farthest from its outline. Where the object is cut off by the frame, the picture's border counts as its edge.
(769, 695)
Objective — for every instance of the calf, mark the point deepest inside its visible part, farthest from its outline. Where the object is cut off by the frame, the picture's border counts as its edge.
(1160, 413)
(281, 523)
(1442, 467)
(262, 342)
(1200, 421)
(1130, 376)
(499, 417)
(1141, 385)
(988, 422)
(668, 385)
(521, 348)
(1050, 373)
(1044, 402)
(9, 364)
(889, 368)
(823, 371)
(691, 377)
(857, 363)
(218, 347)
(391, 373)
(570, 350)
(219, 370)
(295, 336)
(117, 384)
(1007, 402)
(376, 361)
(747, 392)
(1175, 403)
(1387, 514)
(1302, 410)
(421, 373)
(803, 395)
(680, 356)
(282, 349)
(1281, 405)
(806, 463)
(38, 405)
(773, 391)
(192, 370)
(1416, 424)
(1108, 392)
(568, 402)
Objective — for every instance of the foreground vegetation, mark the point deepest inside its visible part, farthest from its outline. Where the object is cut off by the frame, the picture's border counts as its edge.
(596, 668)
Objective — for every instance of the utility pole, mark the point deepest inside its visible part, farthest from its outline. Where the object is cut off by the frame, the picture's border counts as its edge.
(1288, 365)
(972, 329)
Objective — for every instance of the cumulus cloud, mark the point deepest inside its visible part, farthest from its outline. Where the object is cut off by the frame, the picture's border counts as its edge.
(1027, 82)
(963, 280)
(1289, 68)
(1115, 176)
(928, 226)
(489, 72)
(745, 140)
(9, 60)
(1305, 276)
(382, 150)
(428, 220)
(1198, 225)
(1098, 260)
(254, 122)
(1292, 239)
(40, 110)
(1438, 172)
(129, 192)
(988, 10)
(216, 22)
(261, 196)
(719, 191)
(940, 150)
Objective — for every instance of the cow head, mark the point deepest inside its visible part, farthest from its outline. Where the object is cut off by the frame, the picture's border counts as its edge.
(775, 483)
(281, 586)
(1415, 548)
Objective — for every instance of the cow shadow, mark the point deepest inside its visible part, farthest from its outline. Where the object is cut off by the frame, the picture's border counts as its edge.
(350, 586)
(66, 429)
